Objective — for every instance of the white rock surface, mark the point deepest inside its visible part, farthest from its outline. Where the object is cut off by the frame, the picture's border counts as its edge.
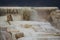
(38, 30)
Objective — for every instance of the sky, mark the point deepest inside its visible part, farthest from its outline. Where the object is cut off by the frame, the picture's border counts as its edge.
(33, 3)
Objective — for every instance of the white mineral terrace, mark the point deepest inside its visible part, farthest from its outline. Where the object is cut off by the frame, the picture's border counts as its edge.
(37, 13)
(29, 7)
(37, 28)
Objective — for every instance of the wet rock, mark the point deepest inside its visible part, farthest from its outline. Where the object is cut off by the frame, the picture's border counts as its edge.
(19, 35)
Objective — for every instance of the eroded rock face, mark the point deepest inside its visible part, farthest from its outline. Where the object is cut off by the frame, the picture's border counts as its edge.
(27, 13)
(55, 15)
(9, 14)
(44, 14)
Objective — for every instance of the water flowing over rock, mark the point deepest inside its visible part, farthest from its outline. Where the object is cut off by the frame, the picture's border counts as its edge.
(29, 23)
